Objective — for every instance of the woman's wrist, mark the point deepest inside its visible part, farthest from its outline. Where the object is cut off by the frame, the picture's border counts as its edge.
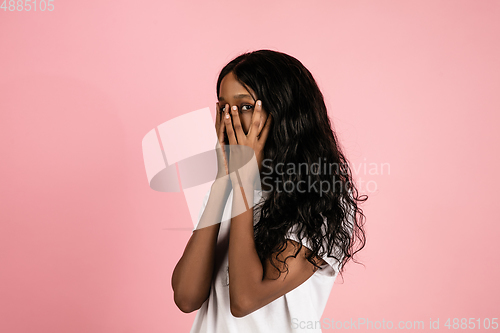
(245, 178)
(222, 182)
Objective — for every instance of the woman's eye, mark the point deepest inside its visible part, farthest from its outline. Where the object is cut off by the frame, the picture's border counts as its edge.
(222, 108)
(246, 107)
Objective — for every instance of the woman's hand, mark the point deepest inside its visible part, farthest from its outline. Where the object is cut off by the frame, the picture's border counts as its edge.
(222, 154)
(244, 146)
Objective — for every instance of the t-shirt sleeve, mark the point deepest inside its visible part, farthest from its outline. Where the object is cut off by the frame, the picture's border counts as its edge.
(333, 265)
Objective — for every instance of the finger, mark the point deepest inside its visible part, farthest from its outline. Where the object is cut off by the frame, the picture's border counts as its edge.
(217, 117)
(229, 127)
(238, 129)
(220, 129)
(265, 131)
(256, 121)
(217, 124)
(263, 119)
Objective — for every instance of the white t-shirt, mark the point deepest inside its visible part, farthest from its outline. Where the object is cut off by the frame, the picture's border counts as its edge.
(288, 313)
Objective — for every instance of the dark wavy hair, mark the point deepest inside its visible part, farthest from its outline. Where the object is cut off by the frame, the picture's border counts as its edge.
(301, 135)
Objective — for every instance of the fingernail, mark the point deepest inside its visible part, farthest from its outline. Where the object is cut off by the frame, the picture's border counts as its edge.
(235, 107)
(259, 103)
(227, 115)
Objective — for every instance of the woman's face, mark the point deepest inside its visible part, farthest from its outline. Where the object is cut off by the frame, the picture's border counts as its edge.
(233, 93)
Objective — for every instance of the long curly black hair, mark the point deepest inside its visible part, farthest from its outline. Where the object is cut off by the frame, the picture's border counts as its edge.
(302, 197)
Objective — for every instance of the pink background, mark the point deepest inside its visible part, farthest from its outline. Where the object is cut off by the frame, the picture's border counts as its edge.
(83, 239)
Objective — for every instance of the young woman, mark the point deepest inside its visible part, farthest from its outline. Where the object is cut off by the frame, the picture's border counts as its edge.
(270, 266)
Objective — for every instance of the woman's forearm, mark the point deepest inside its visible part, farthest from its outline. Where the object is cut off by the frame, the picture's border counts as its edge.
(245, 267)
(192, 276)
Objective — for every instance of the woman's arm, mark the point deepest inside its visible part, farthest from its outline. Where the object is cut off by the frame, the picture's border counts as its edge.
(193, 273)
(249, 288)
